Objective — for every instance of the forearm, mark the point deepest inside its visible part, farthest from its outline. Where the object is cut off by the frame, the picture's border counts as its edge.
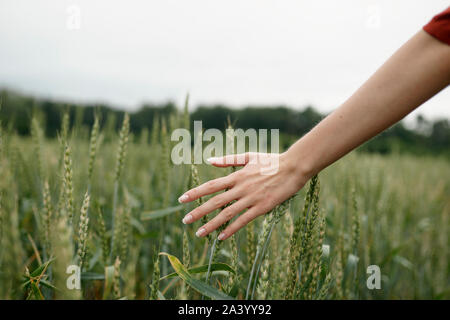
(416, 72)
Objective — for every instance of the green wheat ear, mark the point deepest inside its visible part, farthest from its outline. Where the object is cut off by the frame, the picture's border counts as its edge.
(116, 278)
(68, 183)
(184, 291)
(47, 216)
(83, 231)
(165, 165)
(298, 242)
(262, 290)
(125, 228)
(37, 137)
(154, 287)
(234, 278)
(64, 132)
(63, 251)
(93, 145)
(356, 224)
(122, 149)
(120, 160)
(186, 250)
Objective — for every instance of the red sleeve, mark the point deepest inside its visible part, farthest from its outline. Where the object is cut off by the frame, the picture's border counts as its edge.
(439, 26)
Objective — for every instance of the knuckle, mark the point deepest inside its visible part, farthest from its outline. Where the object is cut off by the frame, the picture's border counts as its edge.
(240, 192)
(225, 213)
(232, 178)
(228, 213)
(243, 174)
(269, 199)
(216, 202)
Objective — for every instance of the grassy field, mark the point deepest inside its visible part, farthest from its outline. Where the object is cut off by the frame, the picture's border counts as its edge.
(106, 202)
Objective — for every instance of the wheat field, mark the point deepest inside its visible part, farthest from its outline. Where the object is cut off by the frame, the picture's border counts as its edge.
(104, 203)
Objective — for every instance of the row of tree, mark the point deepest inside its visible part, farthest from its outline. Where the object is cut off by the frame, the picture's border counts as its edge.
(428, 137)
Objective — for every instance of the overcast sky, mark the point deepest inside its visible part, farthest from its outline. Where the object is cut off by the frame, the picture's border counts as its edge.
(237, 52)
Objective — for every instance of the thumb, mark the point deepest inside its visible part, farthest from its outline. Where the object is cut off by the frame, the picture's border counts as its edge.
(231, 160)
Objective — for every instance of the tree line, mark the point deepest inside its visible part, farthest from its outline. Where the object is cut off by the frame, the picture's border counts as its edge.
(426, 137)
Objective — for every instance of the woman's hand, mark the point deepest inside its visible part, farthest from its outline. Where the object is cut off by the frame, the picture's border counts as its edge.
(265, 181)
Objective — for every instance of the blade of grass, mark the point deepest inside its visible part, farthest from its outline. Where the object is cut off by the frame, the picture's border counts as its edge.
(198, 285)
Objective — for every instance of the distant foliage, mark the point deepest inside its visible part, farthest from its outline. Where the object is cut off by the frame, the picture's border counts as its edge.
(428, 137)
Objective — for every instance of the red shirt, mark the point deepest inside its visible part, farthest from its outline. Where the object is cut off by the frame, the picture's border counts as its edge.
(439, 26)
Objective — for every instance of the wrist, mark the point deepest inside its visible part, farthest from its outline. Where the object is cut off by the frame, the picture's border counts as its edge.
(298, 164)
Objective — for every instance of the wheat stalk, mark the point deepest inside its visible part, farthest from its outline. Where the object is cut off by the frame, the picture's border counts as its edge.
(120, 160)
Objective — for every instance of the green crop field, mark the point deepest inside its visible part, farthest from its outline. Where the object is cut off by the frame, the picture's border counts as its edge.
(106, 202)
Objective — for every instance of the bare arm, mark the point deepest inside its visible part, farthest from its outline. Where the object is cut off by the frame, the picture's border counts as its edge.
(416, 72)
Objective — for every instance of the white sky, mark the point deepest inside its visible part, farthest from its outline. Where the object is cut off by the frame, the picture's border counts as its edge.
(237, 52)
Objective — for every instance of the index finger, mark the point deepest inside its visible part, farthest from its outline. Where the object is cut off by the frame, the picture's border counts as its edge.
(206, 188)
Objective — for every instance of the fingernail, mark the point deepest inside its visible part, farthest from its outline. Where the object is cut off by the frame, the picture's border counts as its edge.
(221, 236)
(215, 160)
(211, 160)
(187, 219)
(201, 232)
(183, 198)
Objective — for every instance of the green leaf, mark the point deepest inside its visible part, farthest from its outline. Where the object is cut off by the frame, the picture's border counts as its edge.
(43, 282)
(47, 284)
(156, 214)
(38, 272)
(36, 292)
(203, 269)
(92, 276)
(138, 226)
(41, 268)
(198, 285)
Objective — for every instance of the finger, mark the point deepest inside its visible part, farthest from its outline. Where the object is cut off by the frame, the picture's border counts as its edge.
(240, 159)
(240, 222)
(227, 214)
(210, 205)
(206, 188)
